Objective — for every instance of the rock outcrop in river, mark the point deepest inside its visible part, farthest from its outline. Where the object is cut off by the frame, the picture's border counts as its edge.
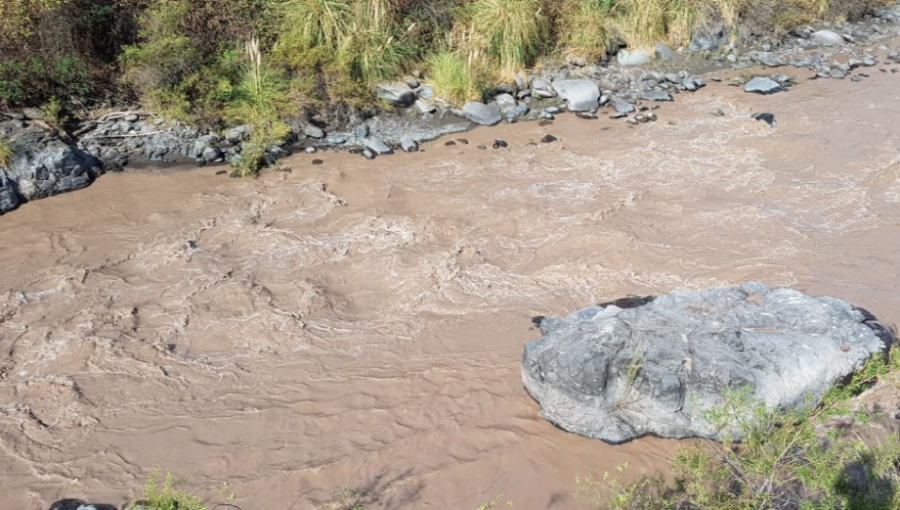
(654, 366)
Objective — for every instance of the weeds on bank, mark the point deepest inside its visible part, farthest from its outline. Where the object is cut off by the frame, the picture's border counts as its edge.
(456, 77)
(260, 99)
(583, 28)
(782, 462)
(6, 152)
(166, 494)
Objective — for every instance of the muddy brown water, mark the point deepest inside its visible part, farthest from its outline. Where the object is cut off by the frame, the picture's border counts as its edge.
(361, 323)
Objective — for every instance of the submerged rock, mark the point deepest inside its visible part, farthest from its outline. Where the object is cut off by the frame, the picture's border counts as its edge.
(643, 366)
(762, 85)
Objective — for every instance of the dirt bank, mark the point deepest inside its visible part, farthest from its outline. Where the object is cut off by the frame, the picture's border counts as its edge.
(362, 323)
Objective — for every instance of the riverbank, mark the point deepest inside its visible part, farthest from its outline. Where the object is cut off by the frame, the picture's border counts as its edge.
(59, 157)
(362, 322)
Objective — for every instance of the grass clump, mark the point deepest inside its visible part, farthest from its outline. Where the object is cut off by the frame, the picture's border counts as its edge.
(166, 494)
(261, 99)
(6, 152)
(583, 29)
(784, 461)
(514, 32)
(457, 77)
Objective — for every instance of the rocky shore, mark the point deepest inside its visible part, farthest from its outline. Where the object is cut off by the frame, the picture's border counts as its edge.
(47, 162)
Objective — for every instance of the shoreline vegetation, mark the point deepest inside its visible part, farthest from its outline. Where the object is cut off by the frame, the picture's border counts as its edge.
(823, 457)
(267, 63)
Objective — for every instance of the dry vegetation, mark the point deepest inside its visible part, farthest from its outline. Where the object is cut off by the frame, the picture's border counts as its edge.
(185, 58)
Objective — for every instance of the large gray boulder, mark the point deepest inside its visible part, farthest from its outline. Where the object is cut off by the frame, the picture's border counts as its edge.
(654, 366)
(482, 114)
(579, 95)
(43, 165)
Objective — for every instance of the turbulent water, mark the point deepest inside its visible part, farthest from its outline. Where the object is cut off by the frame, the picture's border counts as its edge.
(361, 323)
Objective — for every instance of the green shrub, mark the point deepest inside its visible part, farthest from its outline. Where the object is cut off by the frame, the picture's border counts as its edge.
(455, 77)
(166, 55)
(261, 99)
(312, 23)
(371, 48)
(167, 496)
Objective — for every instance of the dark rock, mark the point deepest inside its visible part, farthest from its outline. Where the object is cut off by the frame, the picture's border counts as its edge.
(513, 114)
(449, 144)
(378, 146)
(77, 504)
(618, 115)
(618, 374)
(664, 53)
(548, 138)
(409, 145)
(704, 40)
(211, 154)
(43, 165)
(579, 95)
(482, 114)
(768, 118)
(9, 200)
(587, 115)
(762, 85)
(620, 105)
(317, 162)
(396, 94)
(221, 172)
(499, 143)
(655, 95)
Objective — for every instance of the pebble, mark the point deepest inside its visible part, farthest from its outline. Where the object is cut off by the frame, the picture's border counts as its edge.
(768, 118)
(837, 74)
(618, 115)
(548, 138)
(586, 115)
(317, 161)
(500, 143)
(310, 150)
(368, 154)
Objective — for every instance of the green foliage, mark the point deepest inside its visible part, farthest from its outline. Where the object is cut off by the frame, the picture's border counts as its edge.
(6, 152)
(372, 49)
(514, 32)
(348, 499)
(260, 99)
(313, 23)
(167, 496)
(456, 77)
(38, 77)
(53, 114)
(784, 461)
